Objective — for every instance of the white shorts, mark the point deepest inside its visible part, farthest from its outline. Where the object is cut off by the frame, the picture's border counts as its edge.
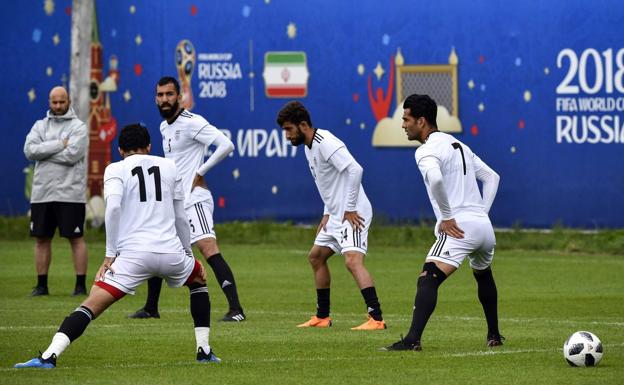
(341, 237)
(134, 267)
(200, 219)
(478, 245)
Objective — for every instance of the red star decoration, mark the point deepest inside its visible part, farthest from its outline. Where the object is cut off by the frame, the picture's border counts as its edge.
(221, 202)
(68, 11)
(194, 10)
(138, 69)
(481, 59)
(356, 97)
(474, 130)
(521, 124)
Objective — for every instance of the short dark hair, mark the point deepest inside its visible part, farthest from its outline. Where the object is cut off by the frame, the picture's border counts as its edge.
(422, 105)
(293, 112)
(168, 79)
(134, 137)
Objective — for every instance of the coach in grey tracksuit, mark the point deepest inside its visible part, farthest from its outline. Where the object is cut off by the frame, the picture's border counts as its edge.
(58, 144)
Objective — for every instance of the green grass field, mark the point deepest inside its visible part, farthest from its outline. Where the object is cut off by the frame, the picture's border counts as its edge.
(543, 297)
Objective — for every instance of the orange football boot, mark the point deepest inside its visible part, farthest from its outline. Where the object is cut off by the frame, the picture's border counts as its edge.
(371, 324)
(316, 322)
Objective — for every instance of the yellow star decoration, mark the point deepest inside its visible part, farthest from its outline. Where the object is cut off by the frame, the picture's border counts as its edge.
(481, 107)
(527, 96)
(56, 39)
(274, 189)
(127, 96)
(48, 7)
(138, 39)
(379, 71)
(360, 69)
(32, 95)
(291, 30)
(236, 173)
(132, 9)
(49, 71)
(471, 84)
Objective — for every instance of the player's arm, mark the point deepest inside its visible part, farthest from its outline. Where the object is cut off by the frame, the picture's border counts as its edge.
(490, 180)
(211, 136)
(112, 217)
(429, 166)
(183, 228)
(75, 147)
(35, 148)
(344, 162)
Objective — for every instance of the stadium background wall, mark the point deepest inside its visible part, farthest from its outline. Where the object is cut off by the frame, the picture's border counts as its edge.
(537, 91)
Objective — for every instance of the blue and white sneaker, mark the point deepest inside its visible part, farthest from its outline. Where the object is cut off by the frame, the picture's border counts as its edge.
(210, 357)
(39, 362)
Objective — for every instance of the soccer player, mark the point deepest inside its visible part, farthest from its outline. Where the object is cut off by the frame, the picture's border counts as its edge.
(463, 229)
(185, 136)
(147, 234)
(346, 216)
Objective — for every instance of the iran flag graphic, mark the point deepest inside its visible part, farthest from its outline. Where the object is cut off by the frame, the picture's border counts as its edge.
(285, 74)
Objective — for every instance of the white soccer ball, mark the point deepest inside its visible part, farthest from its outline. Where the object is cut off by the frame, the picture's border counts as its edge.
(582, 349)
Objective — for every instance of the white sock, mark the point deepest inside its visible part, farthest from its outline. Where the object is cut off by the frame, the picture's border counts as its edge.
(201, 338)
(59, 343)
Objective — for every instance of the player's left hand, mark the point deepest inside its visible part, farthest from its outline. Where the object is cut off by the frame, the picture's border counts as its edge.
(106, 265)
(450, 227)
(198, 181)
(354, 218)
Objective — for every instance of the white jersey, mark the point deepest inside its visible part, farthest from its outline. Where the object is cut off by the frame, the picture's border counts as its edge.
(184, 142)
(148, 185)
(327, 158)
(458, 165)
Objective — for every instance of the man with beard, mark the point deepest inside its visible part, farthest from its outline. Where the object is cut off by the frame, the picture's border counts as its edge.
(185, 135)
(58, 144)
(346, 216)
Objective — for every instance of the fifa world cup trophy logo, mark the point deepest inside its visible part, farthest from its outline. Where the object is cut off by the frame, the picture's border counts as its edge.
(185, 63)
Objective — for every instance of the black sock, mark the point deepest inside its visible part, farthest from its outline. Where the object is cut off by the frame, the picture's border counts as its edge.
(322, 303)
(372, 303)
(225, 277)
(200, 304)
(425, 301)
(488, 297)
(75, 324)
(154, 285)
(81, 280)
(42, 280)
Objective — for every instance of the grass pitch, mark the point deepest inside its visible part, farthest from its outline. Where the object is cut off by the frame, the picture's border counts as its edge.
(543, 298)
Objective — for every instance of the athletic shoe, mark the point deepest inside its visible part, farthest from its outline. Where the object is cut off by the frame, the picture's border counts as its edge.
(39, 290)
(210, 357)
(142, 314)
(371, 324)
(39, 362)
(316, 322)
(494, 340)
(402, 345)
(234, 316)
(79, 290)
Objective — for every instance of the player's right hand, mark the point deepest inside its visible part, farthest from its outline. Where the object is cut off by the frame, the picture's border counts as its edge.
(106, 265)
(450, 227)
(323, 224)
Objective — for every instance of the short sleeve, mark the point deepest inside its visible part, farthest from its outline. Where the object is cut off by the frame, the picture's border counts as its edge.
(202, 131)
(426, 159)
(113, 181)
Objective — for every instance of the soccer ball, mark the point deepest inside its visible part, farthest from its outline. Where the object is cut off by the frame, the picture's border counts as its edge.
(582, 349)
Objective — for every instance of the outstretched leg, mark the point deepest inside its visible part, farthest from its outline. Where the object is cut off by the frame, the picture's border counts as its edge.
(317, 257)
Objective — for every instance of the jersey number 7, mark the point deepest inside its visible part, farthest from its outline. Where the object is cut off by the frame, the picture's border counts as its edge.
(461, 150)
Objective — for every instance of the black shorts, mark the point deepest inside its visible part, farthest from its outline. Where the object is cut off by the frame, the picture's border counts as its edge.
(46, 217)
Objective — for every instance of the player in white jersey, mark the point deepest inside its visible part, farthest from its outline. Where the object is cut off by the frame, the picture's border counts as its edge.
(147, 234)
(185, 136)
(450, 171)
(346, 216)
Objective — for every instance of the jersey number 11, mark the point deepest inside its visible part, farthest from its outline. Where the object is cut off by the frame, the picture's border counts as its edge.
(138, 171)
